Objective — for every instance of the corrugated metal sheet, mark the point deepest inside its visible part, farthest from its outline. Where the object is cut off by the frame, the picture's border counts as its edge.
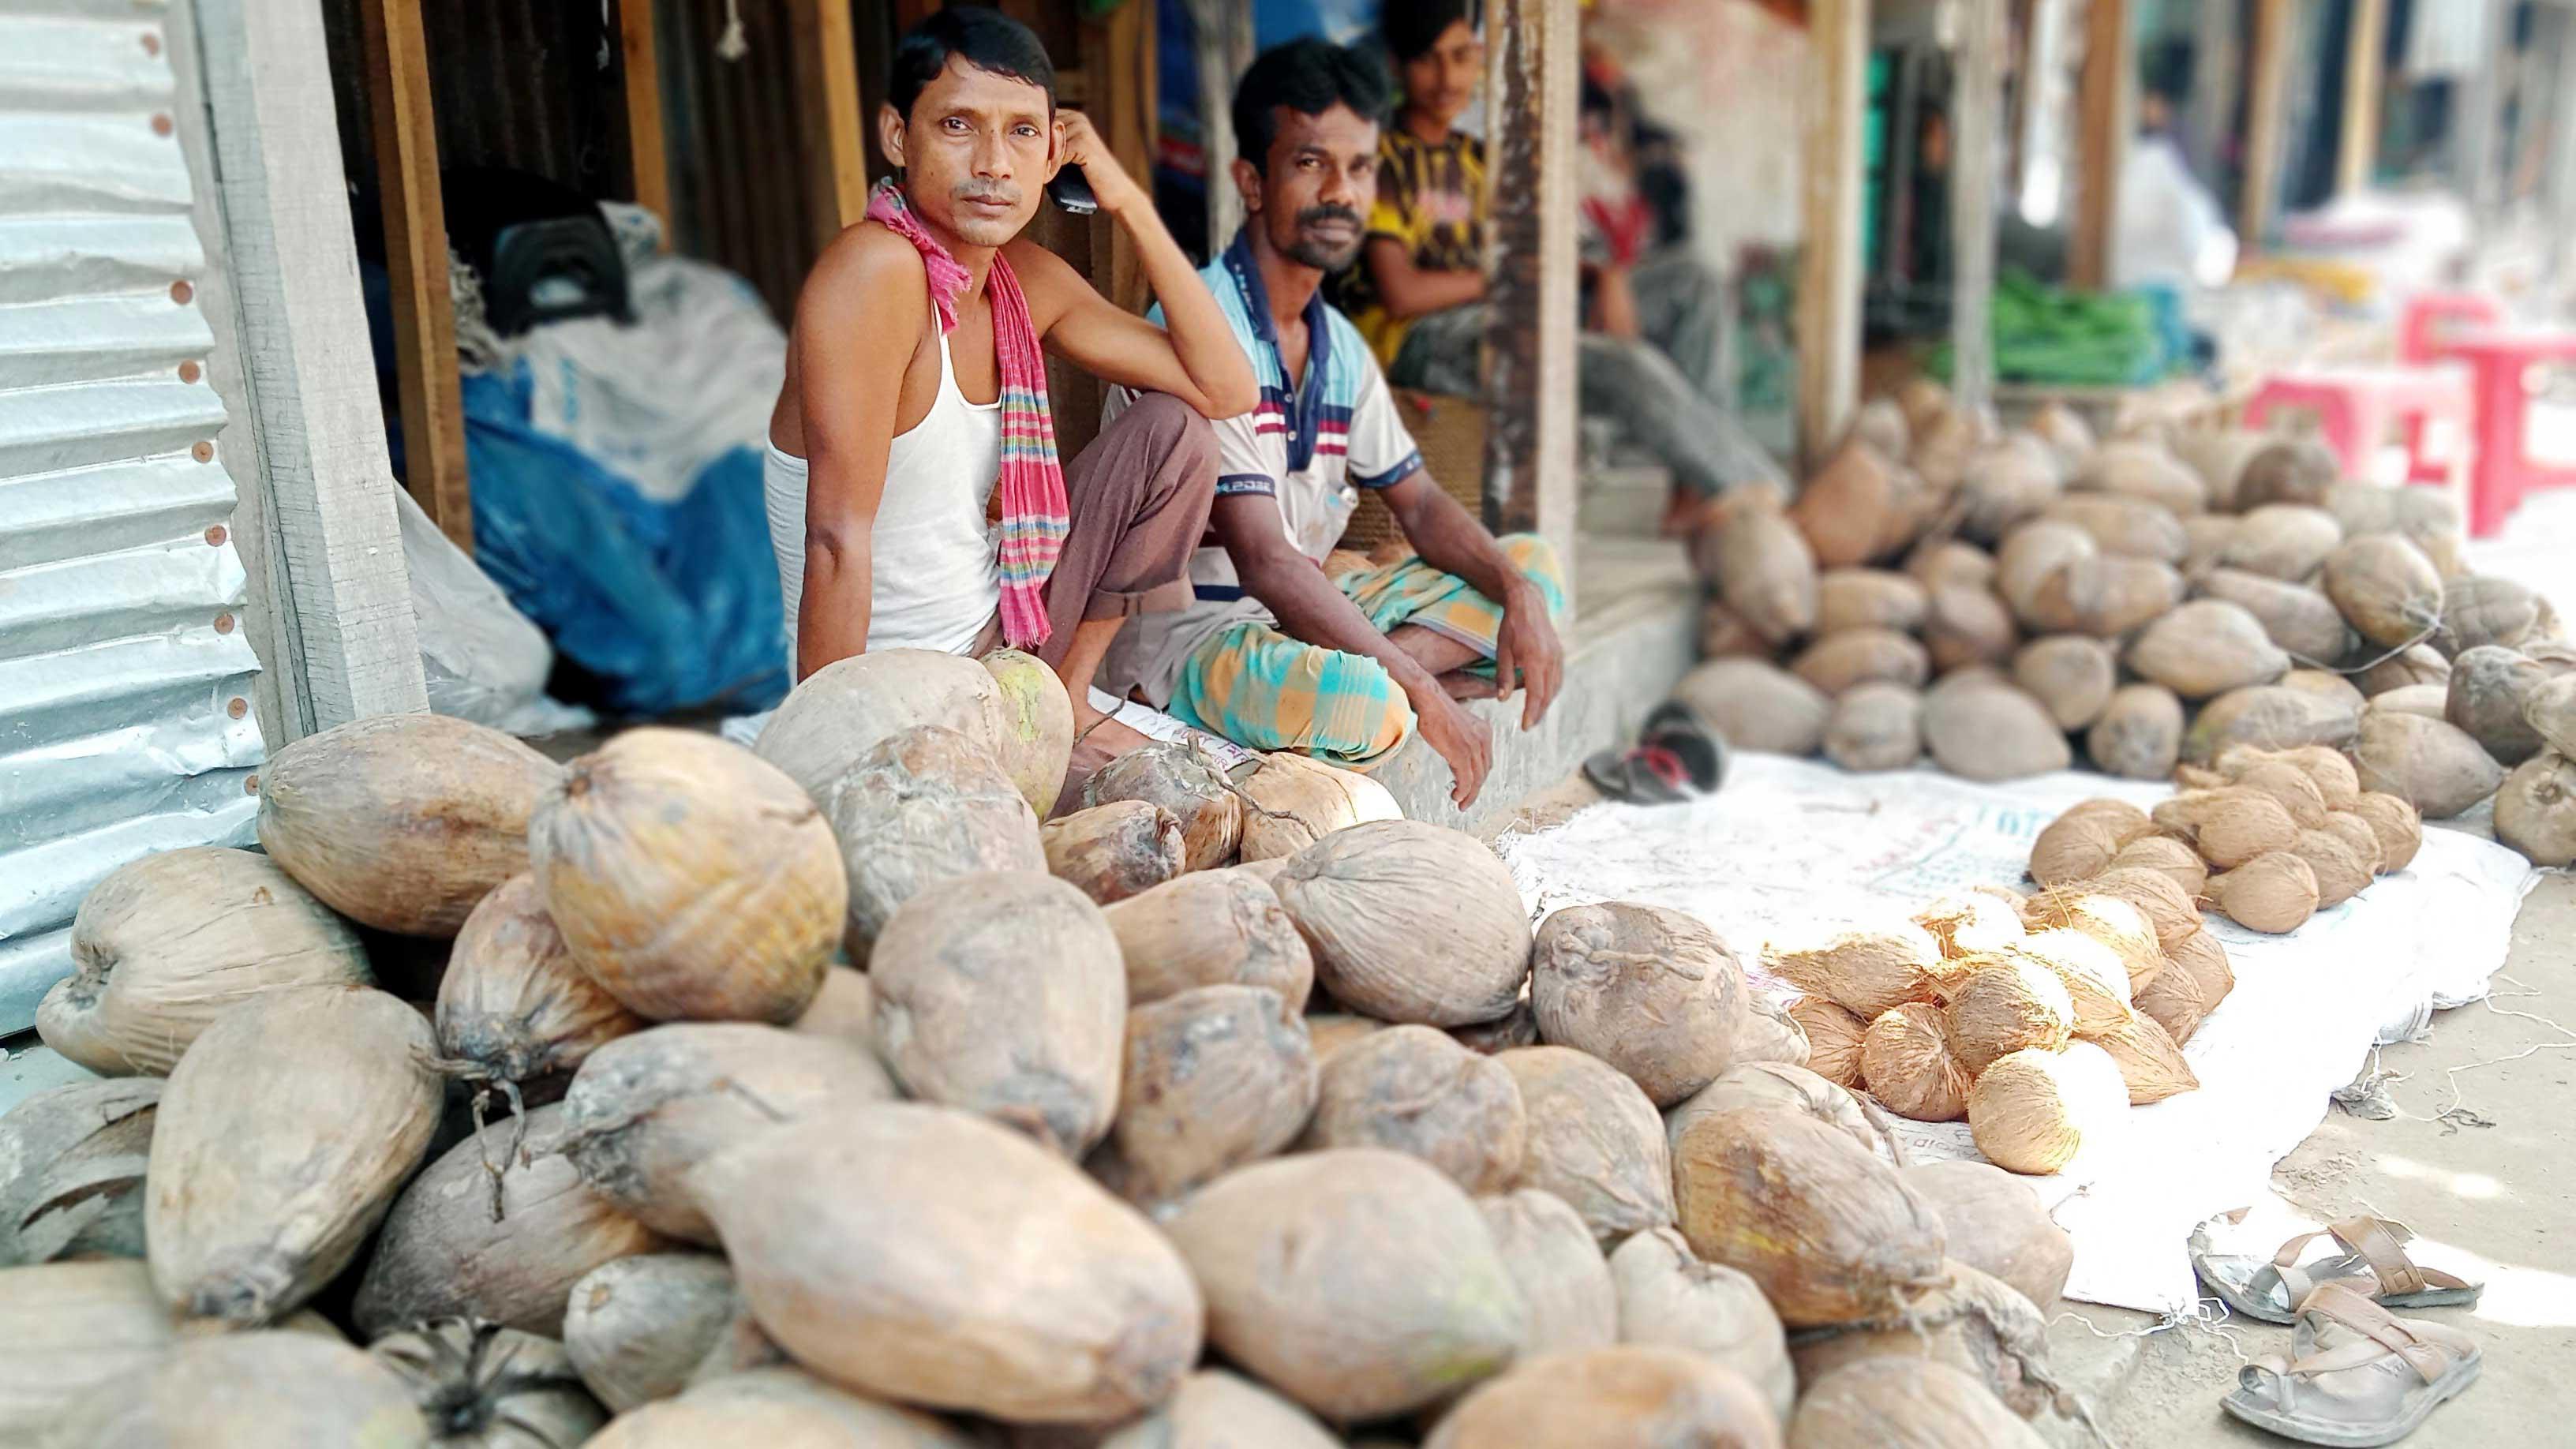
(125, 673)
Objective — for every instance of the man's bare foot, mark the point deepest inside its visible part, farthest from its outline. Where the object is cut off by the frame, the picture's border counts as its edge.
(1099, 738)
(1459, 684)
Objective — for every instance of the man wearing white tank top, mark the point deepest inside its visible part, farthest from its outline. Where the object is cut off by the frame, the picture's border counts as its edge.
(888, 441)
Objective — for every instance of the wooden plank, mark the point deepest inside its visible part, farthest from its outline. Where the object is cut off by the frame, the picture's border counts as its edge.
(2364, 71)
(2267, 83)
(827, 98)
(1532, 90)
(325, 492)
(1829, 279)
(648, 166)
(1976, 109)
(1221, 32)
(2107, 118)
(1118, 68)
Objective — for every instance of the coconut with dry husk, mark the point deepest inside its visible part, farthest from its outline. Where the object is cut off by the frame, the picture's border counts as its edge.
(1834, 1033)
(72, 1164)
(1290, 802)
(1412, 1089)
(1610, 1398)
(1761, 564)
(1211, 928)
(490, 1387)
(1184, 780)
(923, 805)
(1906, 1403)
(1651, 991)
(1866, 969)
(1111, 852)
(2138, 735)
(1996, 1224)
(776, 1406)
(1672, 1298)
(514, 1007)
(1780, 1086)
(1970, 1321)
(1558, 1268)
(1411, 922)
(845, 709)
(2033, 1111)
(250, 1390)
(635, 1327)
(1755, 705)
(1215, 1076)
(1593, 1139)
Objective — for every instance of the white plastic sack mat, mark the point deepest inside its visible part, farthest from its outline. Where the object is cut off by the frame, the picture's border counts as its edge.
(483, 660)
(1790, 842)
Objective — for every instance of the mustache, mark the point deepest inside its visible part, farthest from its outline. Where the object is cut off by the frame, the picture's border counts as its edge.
(996, 191)
(1327, 212)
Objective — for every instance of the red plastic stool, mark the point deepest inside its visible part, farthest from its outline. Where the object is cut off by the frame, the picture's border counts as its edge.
(2430, 318)
(2500, 361)
(2356, 407)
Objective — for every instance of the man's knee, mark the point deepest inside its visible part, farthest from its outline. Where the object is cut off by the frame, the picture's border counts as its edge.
(1175, 431)
(1368, 723)
(1536, 560)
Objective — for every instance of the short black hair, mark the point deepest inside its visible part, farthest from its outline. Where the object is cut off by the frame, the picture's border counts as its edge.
(1414, 26)
(984, 38)
(1309, 76)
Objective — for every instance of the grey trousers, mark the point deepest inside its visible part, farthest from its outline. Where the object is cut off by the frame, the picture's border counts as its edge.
(1669, 390)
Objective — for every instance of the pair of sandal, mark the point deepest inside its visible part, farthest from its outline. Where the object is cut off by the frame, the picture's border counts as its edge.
(1677, 757)
(2356, 1374)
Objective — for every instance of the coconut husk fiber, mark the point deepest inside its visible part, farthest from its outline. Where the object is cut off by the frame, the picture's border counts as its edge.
(1413, 1089)
(2033, 1111)
(1829, 1232)
(1866, 969)
(1411, 922)
(72, 1162)
(1833, 1032)
(1610, 1398)
(1651, 991)
(1593, 1139)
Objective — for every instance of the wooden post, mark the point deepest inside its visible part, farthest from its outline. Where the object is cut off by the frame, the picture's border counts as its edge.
(406, 135)
(2560, 192)
(1531, 96)
(1829, 268)
(1221, 30)
(2108, 116)
(2267, 82)
(324, 492)
(1118, 55)
(648, 166)
(2364, 67)
(2217, 85)
(1976, 107)
(2475, 102)
(827, 100)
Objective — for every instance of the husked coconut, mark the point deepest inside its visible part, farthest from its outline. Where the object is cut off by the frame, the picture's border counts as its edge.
(1215, 1076)
(1651, 991)
(2139, 733)
(1210, 928)
(1291, 802)
(1907, 1059)
(1756, 705)
(1875, 727)
(1670, 1297)
(2399, 825)
(634, 1327)
(1867, 969)
(2032, 1111)
(2169, 913)
(778, 1407)
(2272, 716)
(2358, 838)
(2070, 674)
(1795, 1089)
(2115, 921)
(645, 1109)
(840, 712)
(402, 821)
(1844, 509)
(1833, 1038)
(513, 1002)
(1993, 733)
(2301, 620)
(1412, 1089)
(1006, 994)
(2005, 1008)
(478, 1234)
(1610, 1398)
(1829, 1232)
(922, 805)
(1970, 1321)
(1906, 1403)
(2150, 1062)
(1948, 563)
(165, 943)
(1185, 781)
(2166, 856)
(2428, 763)
(2073, 847)
(2328, 769)
(1411, 922)
(490, 1387)
(1033, 725)
(2490, 686)
(1964, 923)
(72, 1161)
(250, 1391)
(2205, 648)
(1593, 1139)
(2286, 541)
(1997, 1225)
(1964, 625)
(70, 1327)
(1854, 598)
(1213, 1410)
(2289, 785)
(1761, 564)
(1417, 1302)
(1549, 1252)
(2533, 810)
(2386, 589)
(2340, 873)
(2096, 980)
(2228, 826)
(861, 1241)
(2275, 892)
(280, 1142)
(1112, 852)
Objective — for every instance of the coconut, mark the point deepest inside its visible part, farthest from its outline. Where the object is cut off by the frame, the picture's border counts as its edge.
(1968, 922)
(1411, 1089)
(2144, 470)
(2229, 826)
(1210, 929)
(71, 1326)
(480, 1235)
(2032, 1111)
(1906, 1403)
(1963, 626)
(923, 805)
(2341, 872)
(1849, 599)
(2073, 848)
(71, 1171)
(279, 1144)
(647, 1108)
(402, 821)
(1787, 1088)
(861, 1242)
(778, 1407)
(1833, 1038)
(2034, 553)
(1651, 991)
(1998, 1226)
(249, 1391)
(2399, 825)
(1829, 1232)
(1723, 634)
(1867, 969)
(2139, 733)
(1411, 922)
(490, 1387)
(2004, 1008)
(2123, 525)
(2204, 960)
(1761, 564)
(1881, 422)
(1838, 662)
(2276, 892)
(2357, 837)
(2418, 664)
(1670, 1298)
(2489, 690)
(1549, 1252)
(636, 1326)
(2272, 716)
(1875, 727)
(1755, 705)
(2550, 709)
(2386, 589)
(2150, 1062)
(1183, 780)
(1111, 852)
(2430, 701)
(1517, 1028)
(1033, 725)
(2485, 612)
(2299, 619)
(2165, 856)
(1843, 511)
(1593, 1140)
(2104, 596)
(2177, 1000)
(2285, 541)
(2205, 648)
(1610, 1398)
(2533, 813)
(513, 1002)
(1291, 802)
(2168, 913)
(2205, 539)
(1331, 1031)
(1212, 1410)
(1215, 1076)
(965, 1016)
(2428, 763)
(1767, 1033)
(845, 709)
(1993, 733)
(1948, 563)
(2290, 786)
(2072, 675)
(2329, 770)
(2095, 978)
(844, 1009)
(2065, 432)
(165, 943)
(1906, 1058)
(1435, 1307)
(1970, 1321)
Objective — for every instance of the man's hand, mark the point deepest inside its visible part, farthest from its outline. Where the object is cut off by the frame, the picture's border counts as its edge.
(1526, 645)
(1084, 147)
(1460, 738)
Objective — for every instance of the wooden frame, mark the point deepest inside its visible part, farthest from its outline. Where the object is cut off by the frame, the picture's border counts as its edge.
(648, 165)
(2267, 84)
(2107, 117)
(1532, 94)
(2364, 73)
(827, 96)
(1829, 280)
(1976, 110)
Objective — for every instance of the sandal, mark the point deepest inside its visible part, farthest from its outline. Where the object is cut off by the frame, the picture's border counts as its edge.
(2356, 1375)
(2373, 1264)
(1676, 758)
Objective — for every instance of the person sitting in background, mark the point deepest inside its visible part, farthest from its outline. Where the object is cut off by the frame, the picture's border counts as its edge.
(1283, 651)
(1652, 354)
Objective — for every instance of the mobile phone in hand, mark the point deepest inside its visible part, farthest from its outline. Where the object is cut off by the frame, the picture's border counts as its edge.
(1072, 193)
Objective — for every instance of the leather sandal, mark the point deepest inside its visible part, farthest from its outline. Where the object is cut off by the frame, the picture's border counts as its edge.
(2355, 1375)
(1677, 757)
(2373, 1263)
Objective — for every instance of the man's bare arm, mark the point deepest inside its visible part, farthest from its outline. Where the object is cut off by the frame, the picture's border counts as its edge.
(1527, 650)
(1411, 291)
(866, 297)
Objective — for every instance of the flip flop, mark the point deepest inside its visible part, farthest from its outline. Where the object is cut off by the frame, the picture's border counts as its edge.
(1677, 757)
(2355, 1376)
(2373, 1264)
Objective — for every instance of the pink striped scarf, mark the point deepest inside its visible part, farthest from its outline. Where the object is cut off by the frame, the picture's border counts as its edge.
(1035, 515)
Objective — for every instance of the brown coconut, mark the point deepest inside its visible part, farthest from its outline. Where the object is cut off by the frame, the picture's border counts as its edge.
(924, 804)
(2290, 786)
(1333, 1030)
(2004, 1008)
(1212, 928)
(1215, 1076)
(2065, 432)
(2273, 717)
(2276, 892)
(279, 1144)
(1856, 598)
(839, 713)
(1787, 1088)
(513, 1002)
(2168, 912)
(1768, 1033)
(2341, 872)
(70, 1327)
(845, 1008)
(2399, 825)
(1033, 725)
(1881, 422)
(1964, 923)
(2205, 648)
(778, 1407)
(2095, 978)
(2105, 596)
(1562, 1277)
(2329, 770)
(1438, 1311)
(2166, 856)
(1516, 1028)
(1875, 727)
(1412, 1089)
(1907, 1059)
(2431, 701)
(1755, 705)
(2116, 921)
(2490, 688)
(1762, 565)
(2033, 554)
(2418, 664)
(1866, 969)
(1906, 1403)
(2432, 765)
(1838, 662)
(2150, 1062)
(250, 1391)
(1833, 1032)
(1112, 852)
(1610, 1398)
(2480, 612)
(2197, 977)
(1963, 625)
(1997, 1225)
(1411, 922)
(1971, 1321)
(2386, 588)
(2299, 619)
(1290, 802)
(1185, 781)
(2286, 541)
(478, 1234)
(2139, 734)
(2358, 837)
(1842, 512)
(1651, 991)
(2123, 525)
(646, 1109)
(2145, 471)
(1670, 1297)
(2032, 1111)
(635, 1326)
(1829, 1232)
(1593, 1140)
(1948, 563)
(2535, 811)
(1213, 1409)
(491, 1387)
(861, 1241)
(1993, 733)
(1723, 634)
(72, 1162)
(402, 821)
(2070, 674)
(2228, 826)
(2073, 848)
(165, 943)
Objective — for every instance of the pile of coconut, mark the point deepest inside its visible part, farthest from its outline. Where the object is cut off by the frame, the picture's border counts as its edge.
(691, 1095)
(2004, 602)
